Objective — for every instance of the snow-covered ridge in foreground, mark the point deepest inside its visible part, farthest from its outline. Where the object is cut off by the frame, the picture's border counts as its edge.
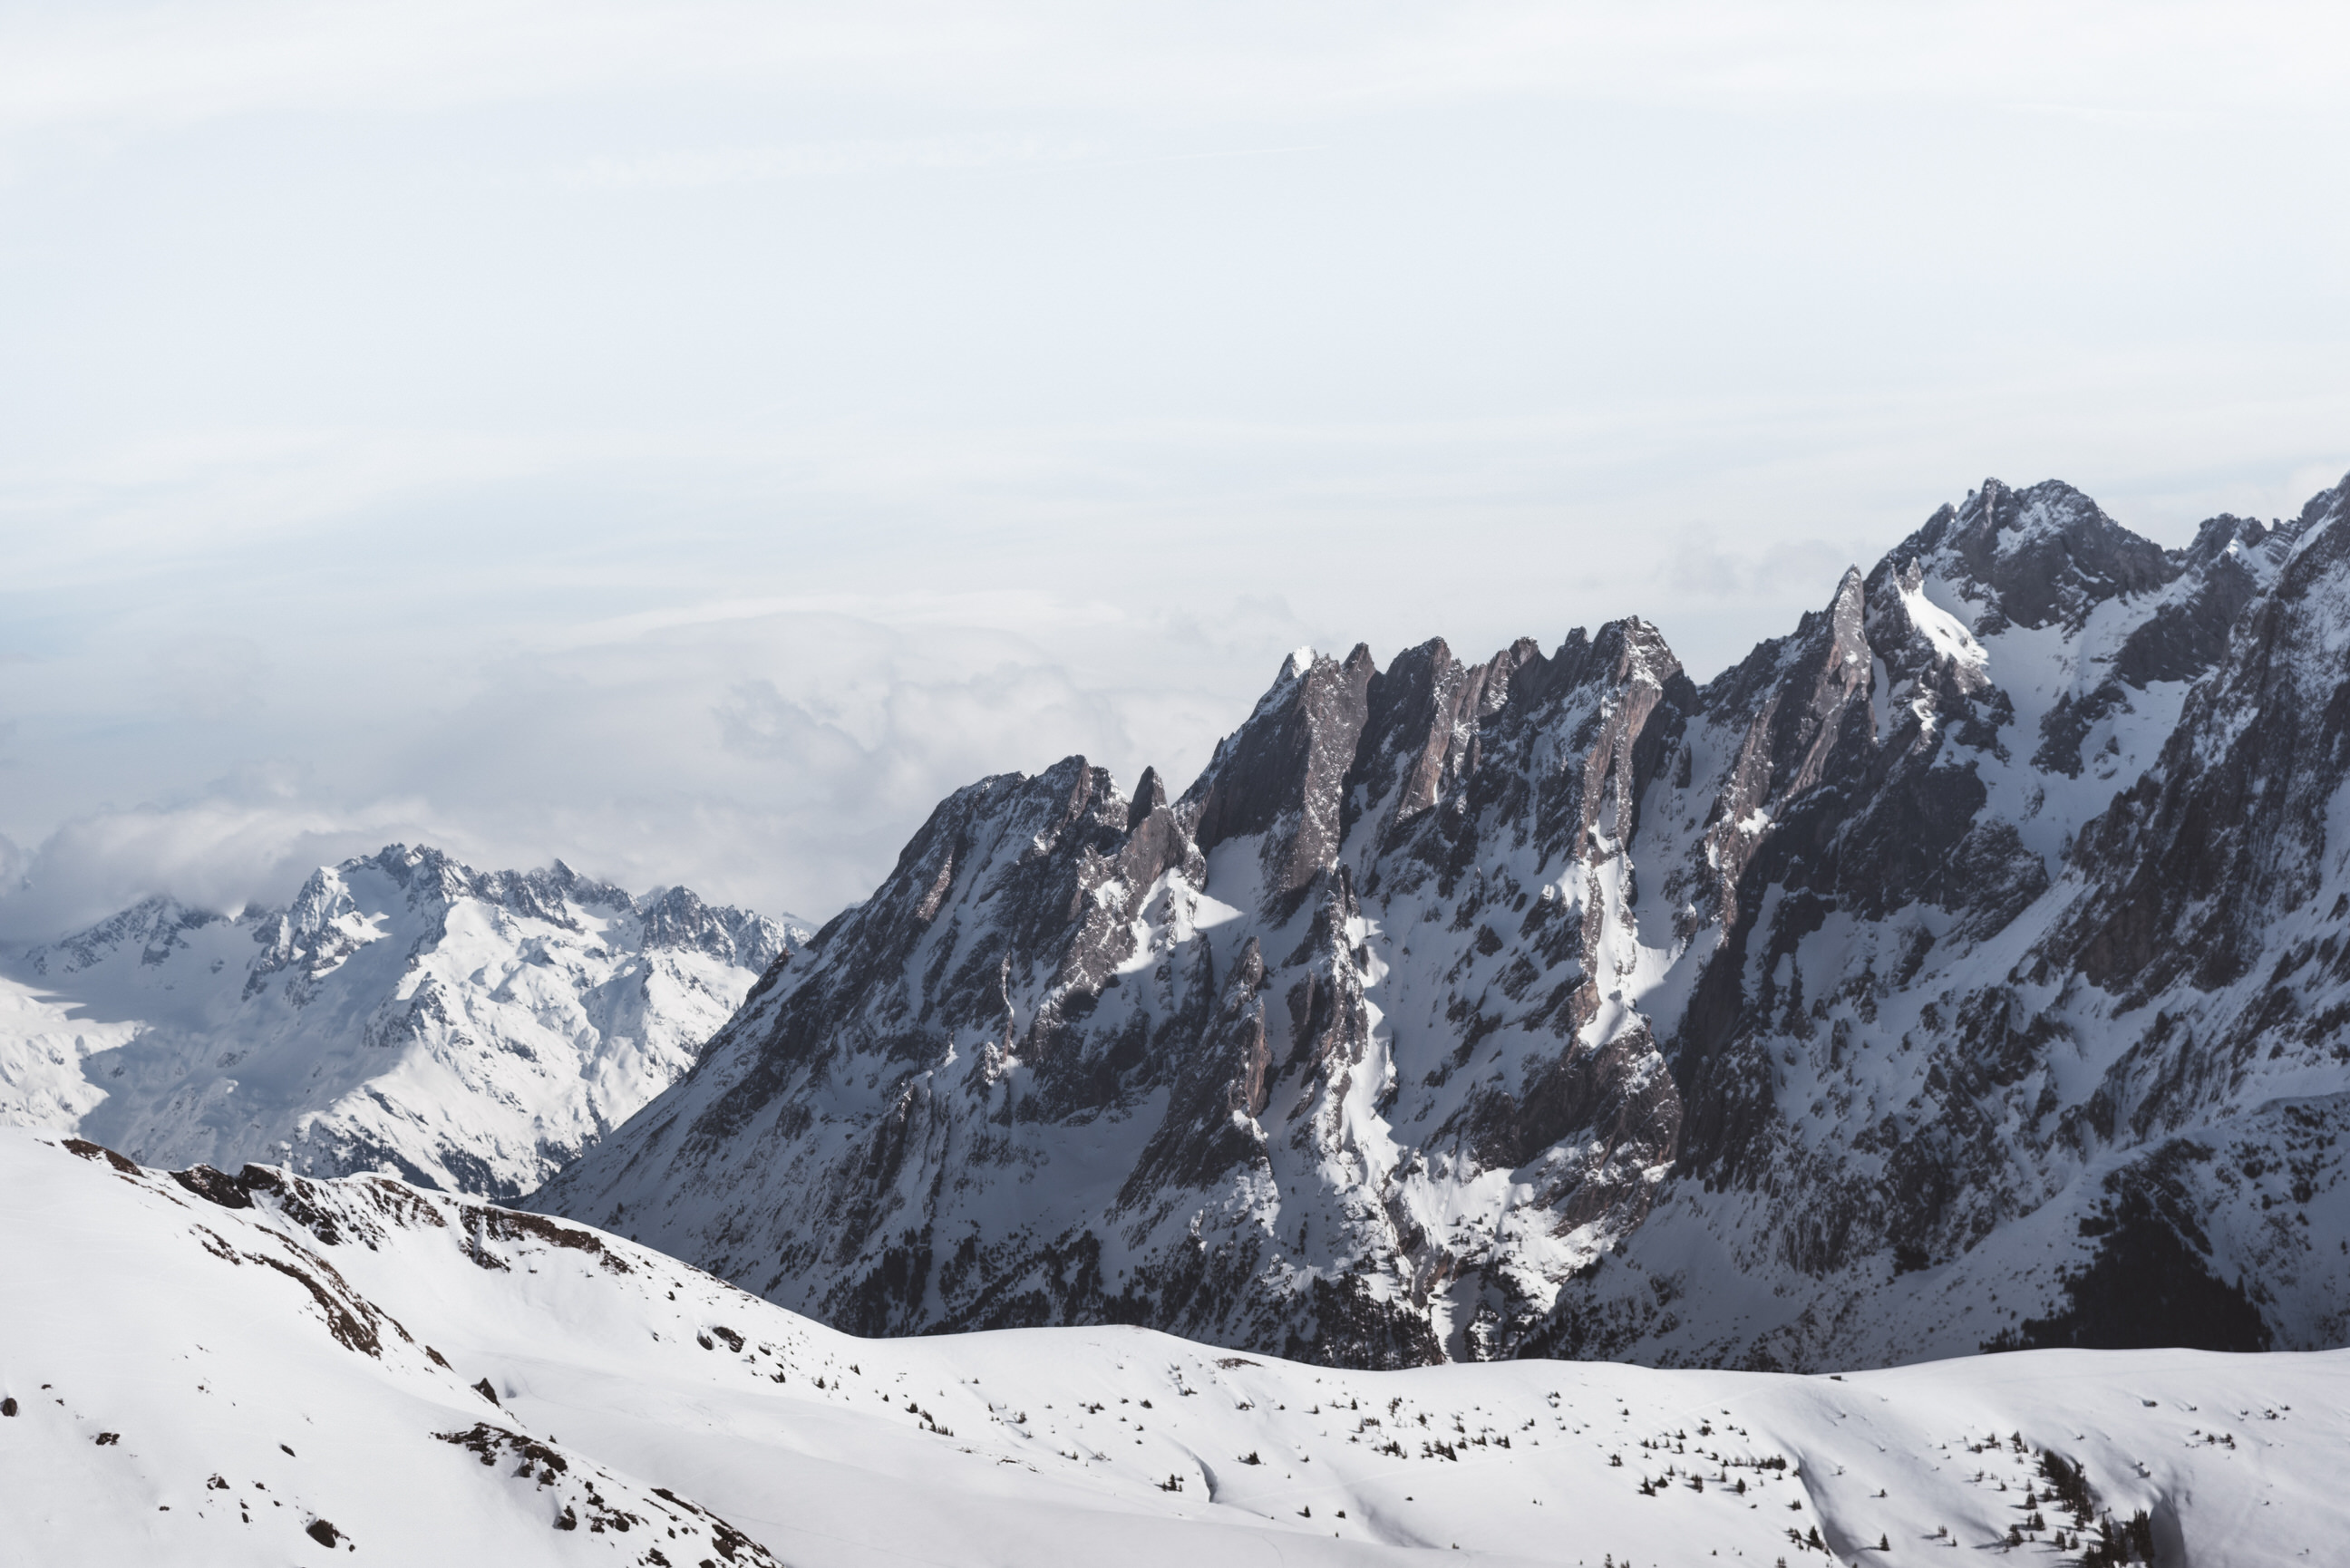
(206, 1369)
(469, 1030)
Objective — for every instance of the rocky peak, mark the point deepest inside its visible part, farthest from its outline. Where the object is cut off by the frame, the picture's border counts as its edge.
(1281, 774)
(1548, 753)
(2219, 538)
(1418, 731)
(2231, 826)
(1796, 712)
(428, 875)
(1627, 652)
(318, 930)
(677, 918)
(559, 876)
(472, 1030)
(158, 925)
(1448, 983)
(2230, 560)
(1641, 696)
(1011, 879)
(1149, 795)
(2035, 558)
(2323, 509)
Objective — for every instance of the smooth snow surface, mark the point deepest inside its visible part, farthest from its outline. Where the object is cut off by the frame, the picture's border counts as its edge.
(196, 1383)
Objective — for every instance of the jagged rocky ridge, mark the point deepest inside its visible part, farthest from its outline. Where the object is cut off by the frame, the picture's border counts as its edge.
(1969, 967)
(467, 1029)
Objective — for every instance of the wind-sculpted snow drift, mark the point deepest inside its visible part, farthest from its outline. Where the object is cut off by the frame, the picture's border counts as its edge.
(1969, 966)
(201, 1367)
(468, 1030)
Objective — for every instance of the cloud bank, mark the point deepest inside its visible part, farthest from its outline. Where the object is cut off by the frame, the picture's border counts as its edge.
(689, 440)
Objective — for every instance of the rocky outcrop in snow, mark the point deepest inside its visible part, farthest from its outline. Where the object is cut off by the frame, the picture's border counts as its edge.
(1970, 949)
(468, 1030)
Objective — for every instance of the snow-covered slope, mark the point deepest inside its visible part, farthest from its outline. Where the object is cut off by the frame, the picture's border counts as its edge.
(265, 1369)
(467, 1029)
(1938, 976)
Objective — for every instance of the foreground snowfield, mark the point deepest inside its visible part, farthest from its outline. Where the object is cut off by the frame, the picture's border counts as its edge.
(204, 1379)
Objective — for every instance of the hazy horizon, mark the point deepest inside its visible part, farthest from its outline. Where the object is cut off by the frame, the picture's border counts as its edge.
(690, 440)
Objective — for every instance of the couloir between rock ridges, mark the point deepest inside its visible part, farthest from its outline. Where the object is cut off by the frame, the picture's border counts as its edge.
(1864, 1004)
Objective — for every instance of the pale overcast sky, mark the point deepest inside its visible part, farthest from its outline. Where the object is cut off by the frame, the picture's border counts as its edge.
(689, 439)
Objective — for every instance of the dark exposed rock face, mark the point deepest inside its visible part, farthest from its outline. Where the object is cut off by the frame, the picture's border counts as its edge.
(1276, 780)
(2228, 831)
(1917, 983)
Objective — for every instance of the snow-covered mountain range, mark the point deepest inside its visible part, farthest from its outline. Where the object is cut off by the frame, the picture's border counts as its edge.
(468, 1030)
(1969, 966)
(258, 1368)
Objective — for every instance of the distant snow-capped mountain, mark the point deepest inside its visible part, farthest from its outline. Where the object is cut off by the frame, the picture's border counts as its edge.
(471, 1030)
(1969, 966)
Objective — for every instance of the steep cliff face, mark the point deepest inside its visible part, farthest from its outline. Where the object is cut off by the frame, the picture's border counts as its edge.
(1254, 1062)
(1951, 1065)
(1866, 1002)
(469, 1030)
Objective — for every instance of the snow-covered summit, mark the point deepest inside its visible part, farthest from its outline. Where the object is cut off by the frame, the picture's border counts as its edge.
(1554, 1003)
(471, 1030)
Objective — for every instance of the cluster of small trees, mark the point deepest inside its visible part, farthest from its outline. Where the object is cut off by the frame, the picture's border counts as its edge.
(2130, 1541)
(2068, 1486)
(2126, 1540)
